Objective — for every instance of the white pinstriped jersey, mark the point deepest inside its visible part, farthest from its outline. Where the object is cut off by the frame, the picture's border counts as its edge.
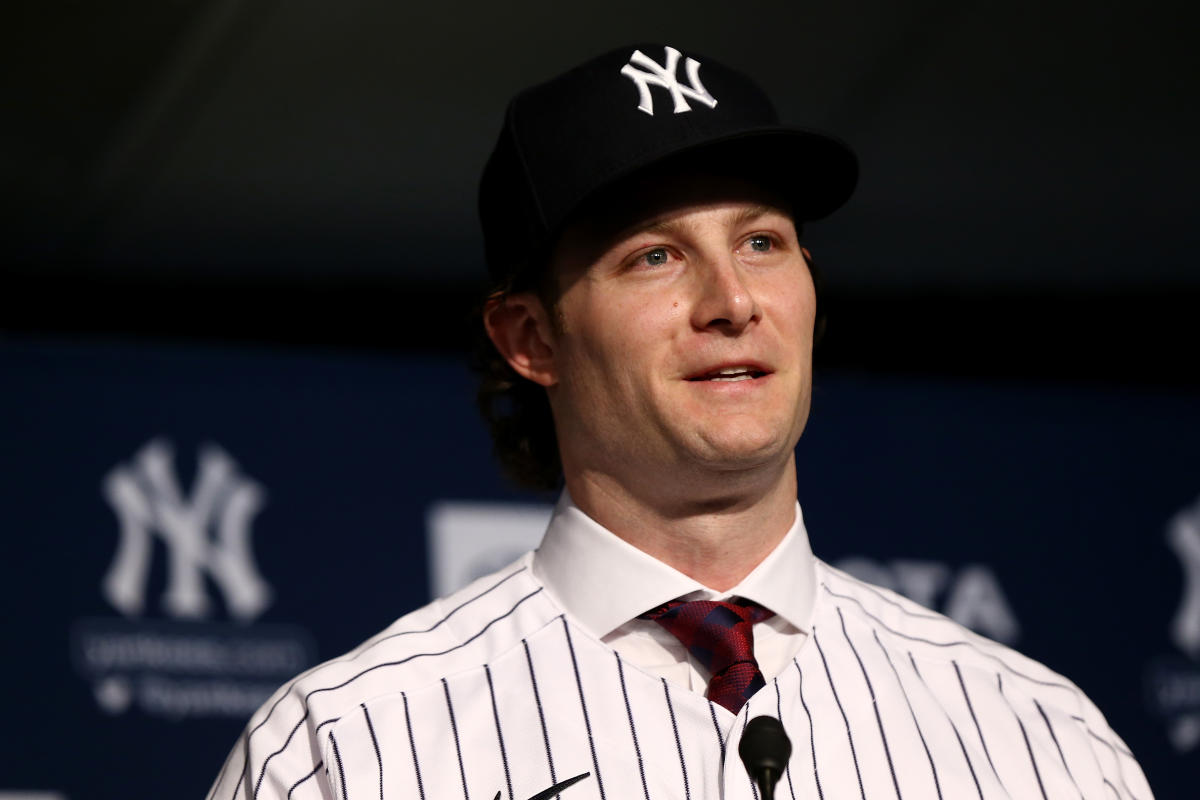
(494, 692)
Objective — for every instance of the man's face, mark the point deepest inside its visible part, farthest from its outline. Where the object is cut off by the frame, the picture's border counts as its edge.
(684, 339)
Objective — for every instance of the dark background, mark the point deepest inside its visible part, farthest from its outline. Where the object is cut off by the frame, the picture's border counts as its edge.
(305, 172)
(217, 210)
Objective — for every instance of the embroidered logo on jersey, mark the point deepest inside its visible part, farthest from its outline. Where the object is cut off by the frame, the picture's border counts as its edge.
(555, 789)
(206, 533)
(645, 72)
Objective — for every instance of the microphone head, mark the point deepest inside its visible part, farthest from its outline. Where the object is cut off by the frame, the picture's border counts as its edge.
(765, 746)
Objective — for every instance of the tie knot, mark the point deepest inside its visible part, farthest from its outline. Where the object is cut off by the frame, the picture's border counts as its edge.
(720, 635)
(722, 613)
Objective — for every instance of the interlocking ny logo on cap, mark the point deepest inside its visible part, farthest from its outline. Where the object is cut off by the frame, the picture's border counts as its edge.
(653, 74)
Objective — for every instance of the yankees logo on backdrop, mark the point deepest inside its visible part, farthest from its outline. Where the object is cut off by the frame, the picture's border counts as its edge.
(651, 74)
(188, 665)
(1183, 535)
(147, 500)
(1173, 681)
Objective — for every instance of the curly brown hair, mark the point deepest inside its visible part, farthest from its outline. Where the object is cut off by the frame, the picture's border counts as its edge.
(515, 409)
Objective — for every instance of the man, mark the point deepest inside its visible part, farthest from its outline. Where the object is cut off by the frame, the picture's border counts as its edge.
(652, 334)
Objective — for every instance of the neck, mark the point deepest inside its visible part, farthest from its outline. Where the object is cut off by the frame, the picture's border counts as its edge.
(715, 537)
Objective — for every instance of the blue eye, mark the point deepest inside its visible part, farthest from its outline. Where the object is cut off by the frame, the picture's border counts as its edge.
(759, 244)
(656, 257)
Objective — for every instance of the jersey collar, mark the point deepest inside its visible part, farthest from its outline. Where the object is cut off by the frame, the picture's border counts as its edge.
(620, 582)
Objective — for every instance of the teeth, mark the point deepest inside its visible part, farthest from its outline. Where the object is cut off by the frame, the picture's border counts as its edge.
(730, 374)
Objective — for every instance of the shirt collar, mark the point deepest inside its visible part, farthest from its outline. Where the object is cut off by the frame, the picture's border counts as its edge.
(620, 582)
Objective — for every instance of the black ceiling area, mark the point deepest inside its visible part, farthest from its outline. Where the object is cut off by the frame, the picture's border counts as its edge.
(305, 172)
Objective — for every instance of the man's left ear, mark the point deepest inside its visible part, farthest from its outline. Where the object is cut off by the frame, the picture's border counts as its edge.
(519, 326)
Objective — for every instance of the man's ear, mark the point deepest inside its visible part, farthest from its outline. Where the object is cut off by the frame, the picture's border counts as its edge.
(519, 326)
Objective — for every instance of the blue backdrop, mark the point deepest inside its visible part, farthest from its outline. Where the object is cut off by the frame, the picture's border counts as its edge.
(185, 528)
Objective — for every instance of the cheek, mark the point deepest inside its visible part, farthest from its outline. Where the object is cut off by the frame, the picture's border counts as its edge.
(804, 304)
(632, 328)
(794, 312)
(623, 358)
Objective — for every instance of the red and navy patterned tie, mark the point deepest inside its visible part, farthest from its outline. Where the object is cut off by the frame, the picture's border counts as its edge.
(720, 635)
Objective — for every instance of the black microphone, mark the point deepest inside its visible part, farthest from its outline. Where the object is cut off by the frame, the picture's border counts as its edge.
(765, 749)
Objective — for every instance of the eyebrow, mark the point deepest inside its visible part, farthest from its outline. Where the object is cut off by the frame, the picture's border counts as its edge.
(747, 214)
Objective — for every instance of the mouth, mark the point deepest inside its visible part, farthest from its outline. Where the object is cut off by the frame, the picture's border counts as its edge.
(730, 374)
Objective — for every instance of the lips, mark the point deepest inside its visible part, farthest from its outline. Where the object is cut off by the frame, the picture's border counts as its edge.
(730, 373)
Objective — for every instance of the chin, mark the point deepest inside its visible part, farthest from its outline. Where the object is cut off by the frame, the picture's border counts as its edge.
(743, 452)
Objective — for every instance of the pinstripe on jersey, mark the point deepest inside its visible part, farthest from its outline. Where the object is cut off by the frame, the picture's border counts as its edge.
(494, 690)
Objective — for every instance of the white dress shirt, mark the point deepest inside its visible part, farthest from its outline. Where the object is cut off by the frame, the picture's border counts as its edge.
(511, 686)
(604, 583)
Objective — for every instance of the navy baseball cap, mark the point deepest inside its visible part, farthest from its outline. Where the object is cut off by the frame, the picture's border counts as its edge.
(630, 109)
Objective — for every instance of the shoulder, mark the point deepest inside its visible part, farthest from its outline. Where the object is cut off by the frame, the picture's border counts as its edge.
(990, 693)
(453, 633)
(925, 636)
(492, 615)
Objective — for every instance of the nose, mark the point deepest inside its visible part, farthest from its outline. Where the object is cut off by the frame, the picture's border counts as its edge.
(724, 300)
